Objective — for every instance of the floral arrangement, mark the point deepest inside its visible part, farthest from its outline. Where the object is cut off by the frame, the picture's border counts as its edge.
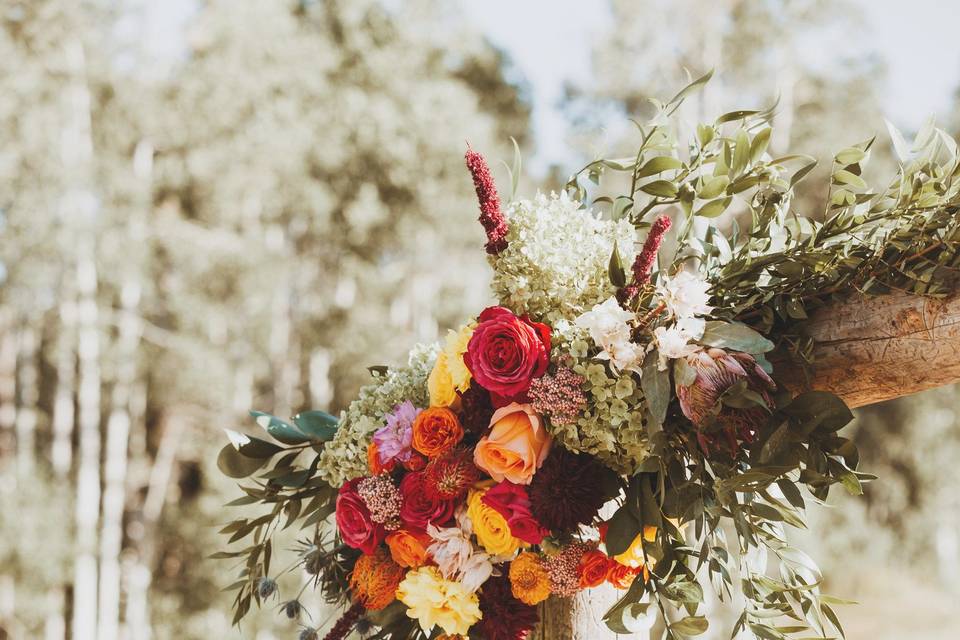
(614, 419)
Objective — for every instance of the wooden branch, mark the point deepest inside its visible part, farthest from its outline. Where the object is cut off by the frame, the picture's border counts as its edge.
(871, 349)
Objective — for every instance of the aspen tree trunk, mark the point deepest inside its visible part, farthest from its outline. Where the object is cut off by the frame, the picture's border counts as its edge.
(80, 207)
(65, 362)
(141, 575)
(29, 394)
(118, 424)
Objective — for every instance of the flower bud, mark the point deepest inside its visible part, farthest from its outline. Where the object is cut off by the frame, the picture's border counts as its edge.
(292, 609)
(266, 587)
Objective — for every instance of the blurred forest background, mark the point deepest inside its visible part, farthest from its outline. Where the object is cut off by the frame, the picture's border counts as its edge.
(252, 223)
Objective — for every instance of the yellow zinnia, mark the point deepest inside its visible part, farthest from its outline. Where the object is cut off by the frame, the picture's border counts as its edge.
(529, 579)
(491, 528)
(434, 601)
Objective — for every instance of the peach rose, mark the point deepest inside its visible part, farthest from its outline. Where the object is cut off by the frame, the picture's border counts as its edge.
(516, 446)
(408, 548)
(435, 431)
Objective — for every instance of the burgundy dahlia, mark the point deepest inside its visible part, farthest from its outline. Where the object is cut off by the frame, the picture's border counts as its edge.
(643, 263)
(476, 409)
(718, 370)
(491, 216)
(568, 490)
(504, 617)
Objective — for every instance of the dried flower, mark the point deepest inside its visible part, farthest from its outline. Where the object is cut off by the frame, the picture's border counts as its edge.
(643, 263)
(383, 499)
(491, 216)
(266, 587)
(559, 396)
(451, 475)
(564, 568)
(346, 622)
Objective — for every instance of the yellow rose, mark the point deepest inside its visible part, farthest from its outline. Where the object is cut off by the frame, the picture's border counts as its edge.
(434, 601)
(454, 348)
(491, 528)
(440, 384)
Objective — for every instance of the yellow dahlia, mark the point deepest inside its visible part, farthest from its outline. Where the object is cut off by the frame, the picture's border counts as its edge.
(434, 601)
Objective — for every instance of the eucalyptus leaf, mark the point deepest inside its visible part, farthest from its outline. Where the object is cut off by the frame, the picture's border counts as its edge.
(656, 386)
(319, 425)
(734, 336)
(233, 464)
(279, 429)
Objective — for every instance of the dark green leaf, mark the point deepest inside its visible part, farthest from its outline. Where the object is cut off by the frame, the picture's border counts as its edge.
(279, 429)
(734, 336)
(235, 465)
(319, 425)
(656, 386)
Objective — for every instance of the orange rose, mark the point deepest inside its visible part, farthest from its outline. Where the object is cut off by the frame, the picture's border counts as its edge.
(373, 461)
(593, 569)
(516, 446)
(622, 576)
(408, 548)
(435, 431)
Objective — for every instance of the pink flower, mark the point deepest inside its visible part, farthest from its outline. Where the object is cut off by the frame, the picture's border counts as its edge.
(506, 353)
(394, 440)
(421, 507)
(491, 216)
(356, 526)
(511, 501)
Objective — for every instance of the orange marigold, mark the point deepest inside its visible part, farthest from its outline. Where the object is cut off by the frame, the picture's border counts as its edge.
(375, 580)
(529, 579)
(435, 431)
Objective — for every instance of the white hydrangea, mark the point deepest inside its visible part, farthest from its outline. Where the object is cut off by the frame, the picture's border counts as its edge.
(345, 457)
(556, 263)
(685, 294)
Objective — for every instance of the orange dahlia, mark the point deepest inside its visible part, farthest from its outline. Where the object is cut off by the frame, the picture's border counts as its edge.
(375, 580)
(529, 579)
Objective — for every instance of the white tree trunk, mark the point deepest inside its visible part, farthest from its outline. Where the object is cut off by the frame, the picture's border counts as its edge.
(118, 425)
(80, 209)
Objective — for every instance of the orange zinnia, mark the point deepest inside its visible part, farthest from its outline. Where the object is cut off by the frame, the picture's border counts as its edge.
(529, 579)
(375, 580)
(435, 431)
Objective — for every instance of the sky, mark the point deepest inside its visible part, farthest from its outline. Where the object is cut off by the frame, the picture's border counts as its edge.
(550, 41)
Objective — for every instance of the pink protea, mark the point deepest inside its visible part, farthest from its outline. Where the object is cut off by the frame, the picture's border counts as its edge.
(643, 263)
(716, 371)
(491, 216)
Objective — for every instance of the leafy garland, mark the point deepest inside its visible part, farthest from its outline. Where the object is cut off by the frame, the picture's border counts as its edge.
(697, 493)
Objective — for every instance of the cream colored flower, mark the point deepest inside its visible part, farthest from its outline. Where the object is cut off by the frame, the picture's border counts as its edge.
(685, 294)
(434, 601)
(607, 324)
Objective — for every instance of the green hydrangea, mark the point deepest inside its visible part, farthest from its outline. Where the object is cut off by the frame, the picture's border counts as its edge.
(345, 457)
(613, 424)
(555, 266)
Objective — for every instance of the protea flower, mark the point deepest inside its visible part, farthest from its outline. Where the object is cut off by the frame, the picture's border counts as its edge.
(716, 372)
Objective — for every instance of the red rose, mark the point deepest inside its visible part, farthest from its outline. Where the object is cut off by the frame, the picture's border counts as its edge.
(511, 501)
(356, 527)
(421, 507)
(506, 352)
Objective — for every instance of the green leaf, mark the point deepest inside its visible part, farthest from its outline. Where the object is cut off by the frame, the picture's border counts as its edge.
(842, 176)
(690, 88)
(734, 336)
(712, 186)
(319, 425)
(615, 269)
(624, 617)
(660, 188)
(252, 447)
(759, 144)
(818, 410)
(690, 626)
(683, 374)
(850, 155)
(656, 386)
(515, 169)
(280, 430)
(233, 464)
(622, 530)
(658, 165)
(741, 152)
(714, 208)
(800, 173)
